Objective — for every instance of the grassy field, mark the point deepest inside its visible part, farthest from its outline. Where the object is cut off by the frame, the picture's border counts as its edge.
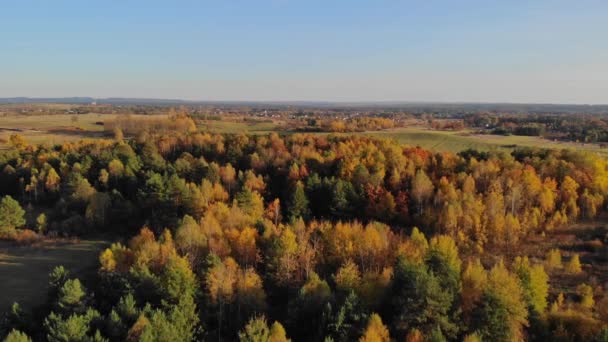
(60, 128)
(24, 270)
(458, 141)
(53, 129)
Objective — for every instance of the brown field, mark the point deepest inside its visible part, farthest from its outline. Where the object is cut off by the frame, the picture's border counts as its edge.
(56, 129)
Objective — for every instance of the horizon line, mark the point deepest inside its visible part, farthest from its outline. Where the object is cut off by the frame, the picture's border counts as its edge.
(67, 99)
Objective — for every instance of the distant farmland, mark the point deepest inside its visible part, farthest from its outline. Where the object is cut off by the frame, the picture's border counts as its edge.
(56, 129)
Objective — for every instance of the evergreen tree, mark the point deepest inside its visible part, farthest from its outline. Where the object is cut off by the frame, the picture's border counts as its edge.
(419, 301)
(298, 204)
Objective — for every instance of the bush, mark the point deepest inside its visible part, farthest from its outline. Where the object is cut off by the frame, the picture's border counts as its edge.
(26, 237)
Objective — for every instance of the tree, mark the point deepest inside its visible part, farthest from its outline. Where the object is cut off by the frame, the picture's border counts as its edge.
(71, 296)
(251, 202)
(41, 223)
(52, 180)
(491, 319)
(104, 177)
(221, 285)
(422, 189)
(228, 176)
(501, 314)
(574, 265)
(375, 331)
(444, 263)
(255, 331)
(116, 168)
(535, 283)
(348, 277)
(250, 296)
(98, 209)
(474, 281)
(419, 301)
(277, 333)
(305, 313)
(298, 204)
(11, 215)
(554, 259)
(17, 141)
(585, 292)
(346, 323)
(17, 336)
(273, 211)
(75, 327)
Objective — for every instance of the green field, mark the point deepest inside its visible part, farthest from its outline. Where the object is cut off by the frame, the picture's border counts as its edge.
(24, 270)
(459, 141)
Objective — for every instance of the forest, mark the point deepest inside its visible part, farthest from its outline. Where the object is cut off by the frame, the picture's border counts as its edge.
(304, 237)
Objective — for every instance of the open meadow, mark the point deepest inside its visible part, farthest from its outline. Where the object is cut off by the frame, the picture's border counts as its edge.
(24, 270)
(456, 141)
(56, 129)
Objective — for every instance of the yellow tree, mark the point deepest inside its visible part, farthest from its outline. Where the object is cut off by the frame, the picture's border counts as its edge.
(474, 280)
(273, 212)
(228, 176)
(52, 180)
(376, 331)
(574, 265)
(347, 277)
(422, 189)
(569, 196)
(221, 285)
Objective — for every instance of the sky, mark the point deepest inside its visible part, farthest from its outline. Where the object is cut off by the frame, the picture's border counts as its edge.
(534, 51)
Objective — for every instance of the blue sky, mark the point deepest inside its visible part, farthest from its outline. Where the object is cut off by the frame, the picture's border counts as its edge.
(466, 50)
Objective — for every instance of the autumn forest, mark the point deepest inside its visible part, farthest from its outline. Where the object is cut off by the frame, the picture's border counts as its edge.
(305, 237)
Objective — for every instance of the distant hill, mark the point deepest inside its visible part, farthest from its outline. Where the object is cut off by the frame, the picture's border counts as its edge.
(415, 107)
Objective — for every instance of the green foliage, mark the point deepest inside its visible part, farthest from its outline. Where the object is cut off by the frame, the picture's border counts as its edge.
(501, 313)
(535, 283)
(11, 215)
(57, 278)
(41, 223)
(17, 336)
(255, 331)
(175, 323)
(71, 296)
(491, 318)
(346, 324)
(298, 204)
(75, 327)
(251, 202)
(178, 280)
(419, 301)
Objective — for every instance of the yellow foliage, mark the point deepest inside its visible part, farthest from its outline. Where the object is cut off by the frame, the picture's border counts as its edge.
(574, 265)
(348, 277)
(554, 259)
(106, 259)
(375, 331)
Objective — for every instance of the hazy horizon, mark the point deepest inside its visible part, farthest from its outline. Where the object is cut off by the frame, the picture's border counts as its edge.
(546, 52)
